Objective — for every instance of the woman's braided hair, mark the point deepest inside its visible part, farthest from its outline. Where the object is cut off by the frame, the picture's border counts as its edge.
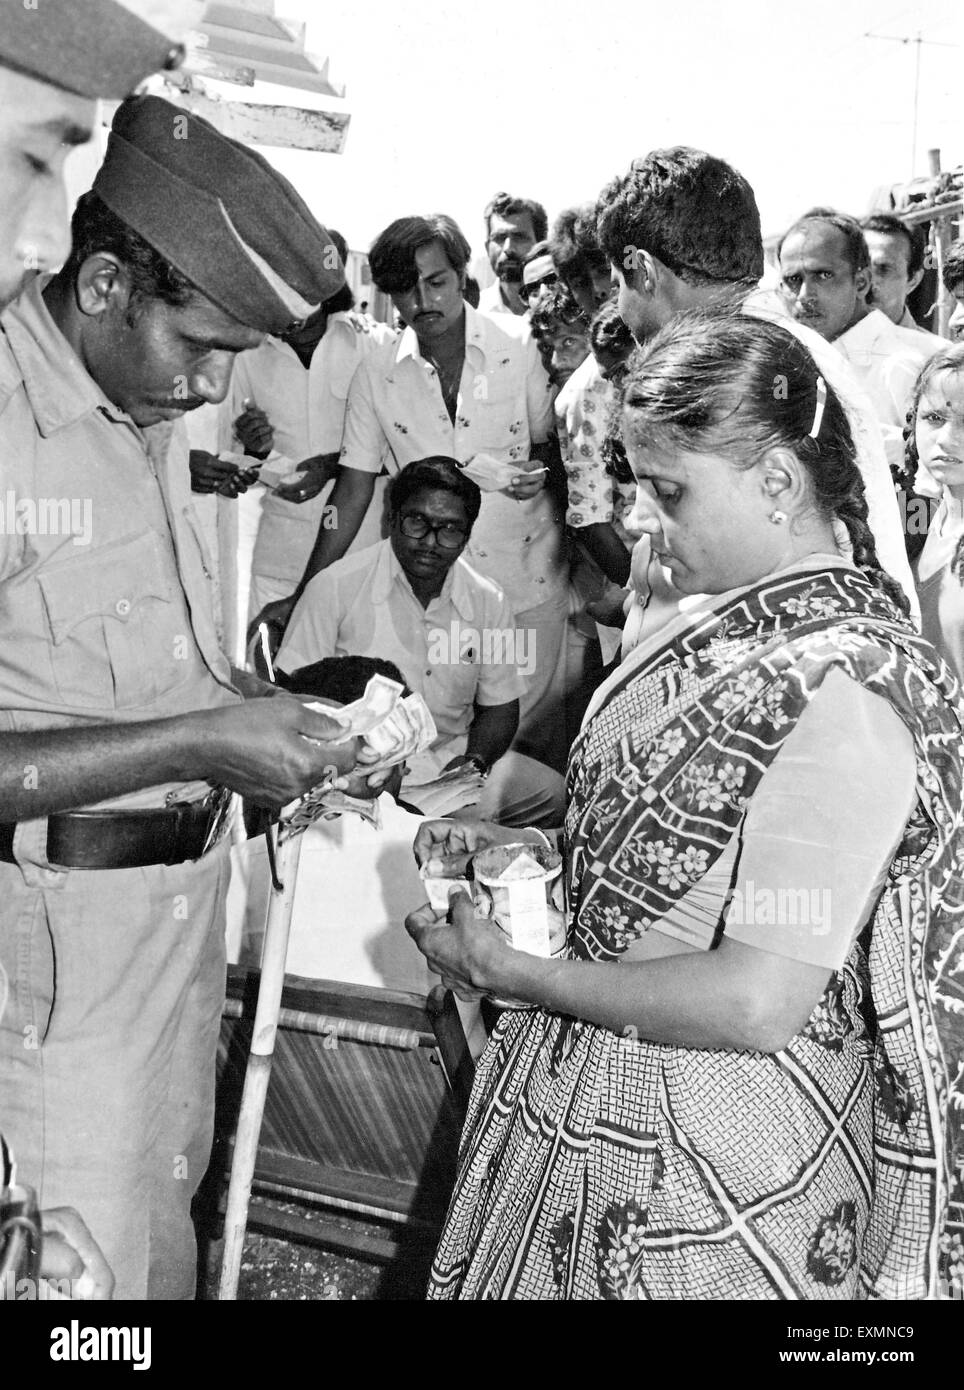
(724, 382)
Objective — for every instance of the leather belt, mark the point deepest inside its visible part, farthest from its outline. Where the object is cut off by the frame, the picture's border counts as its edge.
(130, 839)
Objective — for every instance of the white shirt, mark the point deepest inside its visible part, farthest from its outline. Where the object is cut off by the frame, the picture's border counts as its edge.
(886, 361)
(306, 409)
(491, 301)
(504, 406)
(883, 512)
(364, 605)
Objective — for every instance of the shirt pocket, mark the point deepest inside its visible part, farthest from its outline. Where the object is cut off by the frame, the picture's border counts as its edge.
(118, 638)
(453, 685)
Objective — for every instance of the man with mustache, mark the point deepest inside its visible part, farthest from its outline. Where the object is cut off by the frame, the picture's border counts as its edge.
(826, 281)
(512, 227)
(124, 727)
(53, 67)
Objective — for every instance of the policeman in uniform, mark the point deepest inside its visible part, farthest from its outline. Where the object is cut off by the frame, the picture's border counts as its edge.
(122, 726)
(53, 65)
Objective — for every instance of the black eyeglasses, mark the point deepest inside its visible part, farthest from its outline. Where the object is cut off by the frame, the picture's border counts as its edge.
(447, 535)
(527, 291)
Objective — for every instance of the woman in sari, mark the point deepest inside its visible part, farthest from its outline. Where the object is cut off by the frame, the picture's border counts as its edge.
(745, 1079)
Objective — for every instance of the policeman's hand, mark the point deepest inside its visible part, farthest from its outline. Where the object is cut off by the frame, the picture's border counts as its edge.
(254, 431)
(211, 474)
(275, 617)
(272, 750)
(69, 1251)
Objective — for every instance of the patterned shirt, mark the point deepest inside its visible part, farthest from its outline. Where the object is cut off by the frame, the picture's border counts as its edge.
(582, 410)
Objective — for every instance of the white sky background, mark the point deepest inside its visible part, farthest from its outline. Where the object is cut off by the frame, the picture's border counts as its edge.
(551, 98)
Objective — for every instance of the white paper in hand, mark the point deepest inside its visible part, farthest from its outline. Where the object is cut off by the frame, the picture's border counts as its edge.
(490, 474)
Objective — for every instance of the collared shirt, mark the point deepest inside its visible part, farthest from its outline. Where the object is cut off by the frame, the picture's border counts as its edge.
(883, 513)
(306, 409)
(582, 410)
(504, 406)
(452, 652)
(886, 360)
(105, 578)
(491, 300)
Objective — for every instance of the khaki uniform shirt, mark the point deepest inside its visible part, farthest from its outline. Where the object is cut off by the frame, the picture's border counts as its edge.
(105, 580)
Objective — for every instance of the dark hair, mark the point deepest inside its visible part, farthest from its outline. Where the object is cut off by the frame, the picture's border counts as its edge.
(392, 255)
(952, 271)
(690, 210)
(95, 228)
(949, 359)
(341, 678)
(608, 333)
(472, 292)
(557, 306)
(729, 383)
(849, 228)
(434, 472)
(574, 245)
(505, 204)
(886, 224)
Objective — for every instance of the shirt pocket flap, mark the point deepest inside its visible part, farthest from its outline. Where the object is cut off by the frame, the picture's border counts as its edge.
(110, 582)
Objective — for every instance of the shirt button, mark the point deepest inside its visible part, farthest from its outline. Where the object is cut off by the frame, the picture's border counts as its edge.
(122, 607)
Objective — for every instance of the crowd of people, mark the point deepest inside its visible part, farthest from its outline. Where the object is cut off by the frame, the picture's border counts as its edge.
(673, 550)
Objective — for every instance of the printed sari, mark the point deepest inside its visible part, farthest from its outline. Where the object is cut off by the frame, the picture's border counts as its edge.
(600, 1165)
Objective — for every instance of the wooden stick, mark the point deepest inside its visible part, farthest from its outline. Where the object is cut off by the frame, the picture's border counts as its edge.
(258, 1071)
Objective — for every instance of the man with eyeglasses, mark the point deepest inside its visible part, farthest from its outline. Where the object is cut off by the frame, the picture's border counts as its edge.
(413, 600)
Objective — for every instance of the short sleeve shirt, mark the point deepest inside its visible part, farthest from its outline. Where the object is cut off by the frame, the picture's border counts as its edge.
(456, 653)
(504, 407)
(106, 581)
(582, 410)
(306, 409)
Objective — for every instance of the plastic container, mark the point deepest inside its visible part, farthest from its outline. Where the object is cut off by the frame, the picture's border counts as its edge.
(523, 886)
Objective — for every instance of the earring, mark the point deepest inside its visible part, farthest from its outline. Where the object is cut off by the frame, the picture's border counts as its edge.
(778, 517)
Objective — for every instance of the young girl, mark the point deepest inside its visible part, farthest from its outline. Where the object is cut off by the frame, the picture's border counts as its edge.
(936, 441)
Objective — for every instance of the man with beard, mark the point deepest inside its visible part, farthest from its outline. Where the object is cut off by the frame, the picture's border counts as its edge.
(125, 729)
(512, 228)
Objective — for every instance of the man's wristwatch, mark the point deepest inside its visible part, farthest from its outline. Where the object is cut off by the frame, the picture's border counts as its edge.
(480, 765)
